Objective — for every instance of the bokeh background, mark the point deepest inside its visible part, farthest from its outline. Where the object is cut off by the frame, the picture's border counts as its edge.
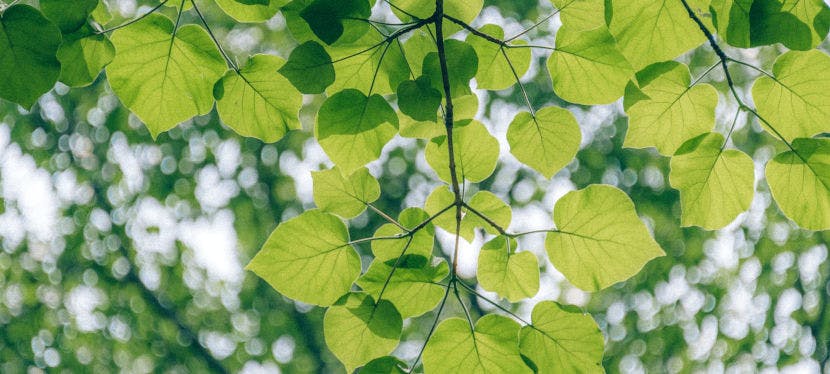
(120, 253)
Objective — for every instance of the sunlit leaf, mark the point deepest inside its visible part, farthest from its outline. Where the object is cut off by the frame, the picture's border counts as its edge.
(413, 287)
(353, 128)
(796, 102)
(562, 340)
(358, 330)
(546, 142)
(715, 184)
(476, 153)
(421, 242)
(491, 348)
(256, 102)
(672, 110)
(587, 68)
(495, 71)
(800, 183)
(82, 55)
(599, 239)
(344, 195)
(316, 264)
(165, 75)
(251, 10)
(510, 274)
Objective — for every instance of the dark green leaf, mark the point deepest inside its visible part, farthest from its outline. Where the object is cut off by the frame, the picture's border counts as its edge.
(309, 68)
(68, 15)
(419, 99)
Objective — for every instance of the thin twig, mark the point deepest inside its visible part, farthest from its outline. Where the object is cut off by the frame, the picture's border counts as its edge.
(151, 11)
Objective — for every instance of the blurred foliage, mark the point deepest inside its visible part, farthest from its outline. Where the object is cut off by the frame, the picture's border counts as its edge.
(106, 281)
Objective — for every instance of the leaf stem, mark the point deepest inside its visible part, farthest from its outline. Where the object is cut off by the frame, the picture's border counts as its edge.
(151, 11)
(230, 63)
(386, 216)
(434, 323)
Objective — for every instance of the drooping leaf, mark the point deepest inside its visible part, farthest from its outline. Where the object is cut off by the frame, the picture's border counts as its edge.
(672, 112)
(546, 142)
(326, 18)
(797, 24)
(384, 365)
(462, 65)
(163, 74)
(251, 10)
(358, 330)
(581, 14)
(491, 348)
(587, 68)
(495, 71)
(715, 184)
(599, 239)
(502, 270)
(309, 68)
(69, 16)
(28, 44)
(307, 258)
(796, 102)
(652, 31)
(344, 195)
(412, 288)
(256, 102)
(800, 183)
(353, 128)
(476, 153)
(484, 202)
(82, 56)
(422, 241)
(418, 99)
(562, 340)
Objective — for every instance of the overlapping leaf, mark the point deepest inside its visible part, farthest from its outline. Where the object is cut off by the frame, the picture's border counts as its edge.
(256, 102)
(358, 330)
(344, 195)
(418, 244)
(499, 67)
(484, 202)
(562, 340)
(163, 73)
(412, 287)
(491, 348)
(512, 275)
(796, 102)
(671, 111)
(476, 152)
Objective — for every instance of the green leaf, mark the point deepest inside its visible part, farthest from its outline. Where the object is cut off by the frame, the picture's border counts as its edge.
(476, 153)
(308, 259)
(464, 107)
(800, 183)
(731, 19)
(580, 56)
(82, 56)
(581, 14)
(562, 340)
(162, 74)
(344, 195)
(28, 44)
(495, 71)
(256, 102)
(251, 10)
(797, 24)
(462, 65)
(796, 101)
(384, 365)
(709, 176)
(413, 289)
(484, 202)
(491, 347)
(511, 275)
(327, 19)
(652, 31)
(546, 142)
(353, 128)
(358, 330)
(672, 112)
(69, 16)
(368, 64)
(599, 239)
(309, 68)
(418, 99)
(422, 241)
